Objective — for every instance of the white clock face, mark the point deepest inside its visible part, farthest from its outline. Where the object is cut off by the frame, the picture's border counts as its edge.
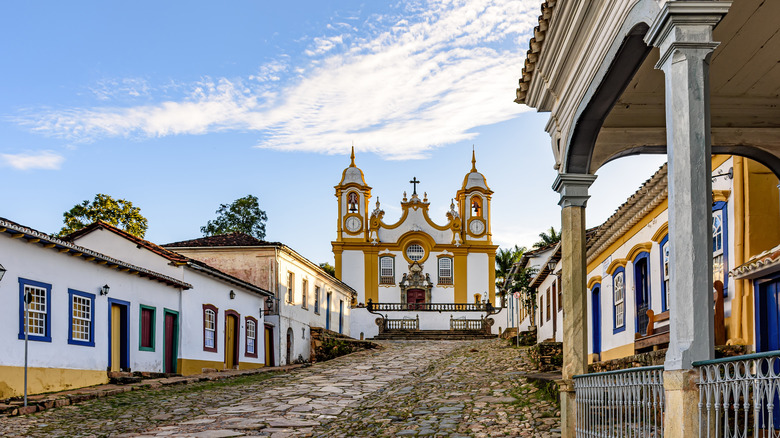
(477, 226)
(353, 224)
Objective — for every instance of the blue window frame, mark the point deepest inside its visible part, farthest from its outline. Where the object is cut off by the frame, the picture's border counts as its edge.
(664, 245)
(39, 310)
(720, 246)
(619, 300)
(81, 318)
(642, 290)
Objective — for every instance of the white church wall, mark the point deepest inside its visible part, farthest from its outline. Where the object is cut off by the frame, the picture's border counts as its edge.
(477, 276)
(415, 220)
(353, 272)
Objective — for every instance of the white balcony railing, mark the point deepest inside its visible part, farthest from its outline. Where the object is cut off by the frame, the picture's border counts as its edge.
(738, 396)
(624, 403)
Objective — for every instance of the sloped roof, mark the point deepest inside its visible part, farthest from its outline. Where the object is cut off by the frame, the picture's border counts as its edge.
(174, 257)
(649, 195)
(66, 247)
(232, 239)
(534, 47)
(765, 263)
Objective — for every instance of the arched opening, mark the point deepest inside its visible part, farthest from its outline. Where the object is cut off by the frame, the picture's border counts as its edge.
(290, 340)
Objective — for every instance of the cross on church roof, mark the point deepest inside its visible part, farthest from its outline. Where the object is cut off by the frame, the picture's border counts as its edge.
(414, 182)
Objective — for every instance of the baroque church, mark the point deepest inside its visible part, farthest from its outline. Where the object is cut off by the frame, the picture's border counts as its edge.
(415, 268)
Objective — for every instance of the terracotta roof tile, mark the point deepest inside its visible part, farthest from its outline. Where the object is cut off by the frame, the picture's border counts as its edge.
(232, 239)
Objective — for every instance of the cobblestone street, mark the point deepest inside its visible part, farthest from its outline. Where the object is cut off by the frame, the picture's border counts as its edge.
(443, 388)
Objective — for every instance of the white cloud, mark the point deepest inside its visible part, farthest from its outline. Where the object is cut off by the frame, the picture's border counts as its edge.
(109, 89)
(420, 82)
(36, 160)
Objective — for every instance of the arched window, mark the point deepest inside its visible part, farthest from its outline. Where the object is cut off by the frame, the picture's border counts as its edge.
(476, 206)
(619, 296)
(209, 328)
(251, 337)
(665, 246)
(352, 202)
(720, 245)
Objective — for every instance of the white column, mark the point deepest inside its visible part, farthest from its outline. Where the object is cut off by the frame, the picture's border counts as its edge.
(574, 197)
(683, 32)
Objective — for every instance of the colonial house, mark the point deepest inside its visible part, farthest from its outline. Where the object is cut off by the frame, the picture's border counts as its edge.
(88, 312)
(415, 273)
(681, 78)
(305, 295)
(220, 315)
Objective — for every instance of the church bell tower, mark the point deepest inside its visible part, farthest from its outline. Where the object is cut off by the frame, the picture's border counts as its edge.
(353, 195)
(474, 201)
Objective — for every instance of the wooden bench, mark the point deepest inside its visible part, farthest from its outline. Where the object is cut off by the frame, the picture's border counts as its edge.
(654, 335)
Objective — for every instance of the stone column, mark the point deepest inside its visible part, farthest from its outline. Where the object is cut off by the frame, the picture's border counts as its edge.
(574, 197)
(683, 33)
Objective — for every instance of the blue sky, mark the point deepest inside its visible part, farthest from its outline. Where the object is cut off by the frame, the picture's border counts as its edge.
(181, 106)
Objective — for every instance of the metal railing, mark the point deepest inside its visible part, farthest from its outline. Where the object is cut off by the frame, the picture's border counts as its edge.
(402, 324)
(738, 396)
(430, 307)
(467, 324)
(624, 403)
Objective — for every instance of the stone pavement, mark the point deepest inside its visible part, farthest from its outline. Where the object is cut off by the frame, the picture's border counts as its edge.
(442, 388)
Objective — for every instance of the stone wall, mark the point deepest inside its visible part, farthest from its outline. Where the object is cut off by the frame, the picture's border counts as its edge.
(657, 358)
(327, 344)
(547, 356)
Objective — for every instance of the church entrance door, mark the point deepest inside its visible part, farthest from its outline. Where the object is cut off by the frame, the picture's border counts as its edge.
(415, 296)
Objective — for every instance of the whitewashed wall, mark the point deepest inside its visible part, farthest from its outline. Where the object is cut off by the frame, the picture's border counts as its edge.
(63, 272)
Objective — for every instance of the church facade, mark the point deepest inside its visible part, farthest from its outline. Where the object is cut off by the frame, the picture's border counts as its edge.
(414, 261)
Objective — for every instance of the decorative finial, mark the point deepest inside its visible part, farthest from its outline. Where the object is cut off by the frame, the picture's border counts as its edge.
(473, 159)
(452, 204)
(404, 195)
(352, 156)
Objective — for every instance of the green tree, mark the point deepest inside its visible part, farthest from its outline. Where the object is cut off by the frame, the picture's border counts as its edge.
(242, 216)
(327, 267)
(548, 238)
(117, 212)
(505, 258)
(521, 283)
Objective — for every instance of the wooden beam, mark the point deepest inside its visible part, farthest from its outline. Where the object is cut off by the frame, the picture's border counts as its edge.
(64, 249)
(102, 262)
(49, 245)
(89, 259)
(34, 240)
(77, 254)
(17, 235)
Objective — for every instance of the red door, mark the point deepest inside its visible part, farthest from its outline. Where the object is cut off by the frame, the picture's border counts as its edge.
(171, 340)
(415, 296)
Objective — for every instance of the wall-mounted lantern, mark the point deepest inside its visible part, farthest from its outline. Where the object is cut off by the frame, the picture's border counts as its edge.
(104, 290)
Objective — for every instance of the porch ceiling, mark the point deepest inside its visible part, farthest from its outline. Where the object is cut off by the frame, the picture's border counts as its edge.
(745, 94)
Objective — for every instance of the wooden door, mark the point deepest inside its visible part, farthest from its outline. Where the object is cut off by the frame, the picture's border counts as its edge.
(171, 342)
(269, 346)
(415, 296)
(231, 344)
(116, 337)
(289, 346)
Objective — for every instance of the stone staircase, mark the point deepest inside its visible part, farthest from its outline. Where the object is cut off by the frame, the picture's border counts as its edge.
(432, 335)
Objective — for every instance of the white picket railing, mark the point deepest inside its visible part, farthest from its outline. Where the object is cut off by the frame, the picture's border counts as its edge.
(738, 396)
(624, 403)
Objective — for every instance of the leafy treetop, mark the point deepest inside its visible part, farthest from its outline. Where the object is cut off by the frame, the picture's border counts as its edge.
(117, 212)
(242, 216)
(548, 238)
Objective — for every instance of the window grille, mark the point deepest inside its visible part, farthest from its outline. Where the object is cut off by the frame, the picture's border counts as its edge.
(415, 252)
(305, 294)
(619, 292)
(290, 283)
(210, 328)
(82, 318)
(445, 270)
(251, 336)
(36, 312)
(316, 299)
(386, 270)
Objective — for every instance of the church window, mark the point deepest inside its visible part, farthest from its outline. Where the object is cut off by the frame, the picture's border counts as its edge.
(146, 342)
(82, 318)
(386, 270)
(415, 252)
(37, 324)
(445, 270)
(251, 337)
(317, 299)
(209, 328)
(290, 284)
(305, 294)
(618, 294)
(352, 201)
(476, 206)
